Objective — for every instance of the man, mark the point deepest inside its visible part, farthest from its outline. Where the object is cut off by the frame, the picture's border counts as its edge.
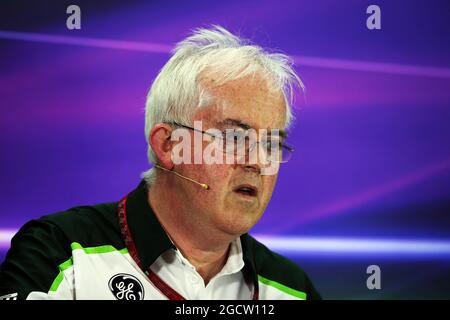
(216, 120)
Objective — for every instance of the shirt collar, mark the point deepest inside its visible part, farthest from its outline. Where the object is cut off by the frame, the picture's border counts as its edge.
(151, 240)
(149, 237)
(234, 263)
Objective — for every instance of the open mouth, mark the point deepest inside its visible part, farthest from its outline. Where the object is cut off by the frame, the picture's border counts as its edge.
(247, 190)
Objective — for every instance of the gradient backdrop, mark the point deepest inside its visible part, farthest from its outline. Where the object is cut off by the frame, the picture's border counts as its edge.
(370, 180)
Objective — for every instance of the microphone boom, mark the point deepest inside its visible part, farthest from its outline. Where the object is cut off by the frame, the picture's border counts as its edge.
(203, 185)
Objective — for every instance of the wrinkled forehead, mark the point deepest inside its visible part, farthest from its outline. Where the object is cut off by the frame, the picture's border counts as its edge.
(252, 100)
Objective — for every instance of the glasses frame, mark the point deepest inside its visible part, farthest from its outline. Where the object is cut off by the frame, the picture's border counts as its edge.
(288, 147)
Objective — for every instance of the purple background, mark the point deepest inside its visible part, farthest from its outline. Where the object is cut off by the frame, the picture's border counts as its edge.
(372, 140)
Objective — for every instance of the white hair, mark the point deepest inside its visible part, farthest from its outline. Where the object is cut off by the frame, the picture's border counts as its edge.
(176, 92)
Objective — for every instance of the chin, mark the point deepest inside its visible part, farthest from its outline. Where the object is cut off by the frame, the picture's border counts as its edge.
(238, 225)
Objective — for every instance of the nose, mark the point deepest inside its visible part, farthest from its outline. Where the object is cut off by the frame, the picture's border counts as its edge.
(266, 167)
(252, 168)
(256, 159)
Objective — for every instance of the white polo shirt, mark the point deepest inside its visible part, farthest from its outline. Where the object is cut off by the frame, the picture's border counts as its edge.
(181, 275)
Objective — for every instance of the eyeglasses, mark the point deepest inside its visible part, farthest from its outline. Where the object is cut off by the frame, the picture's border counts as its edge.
(243, 142)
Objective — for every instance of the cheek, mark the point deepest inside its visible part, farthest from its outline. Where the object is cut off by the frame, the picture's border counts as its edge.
(269, 185)
(218, 176)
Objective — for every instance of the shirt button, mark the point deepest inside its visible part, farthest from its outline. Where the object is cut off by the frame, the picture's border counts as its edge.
(194, 279)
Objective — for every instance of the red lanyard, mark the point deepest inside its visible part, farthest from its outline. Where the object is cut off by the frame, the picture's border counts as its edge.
(160, 284)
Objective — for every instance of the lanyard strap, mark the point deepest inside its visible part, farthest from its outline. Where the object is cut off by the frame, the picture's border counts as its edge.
(159, 283)
(162, 286)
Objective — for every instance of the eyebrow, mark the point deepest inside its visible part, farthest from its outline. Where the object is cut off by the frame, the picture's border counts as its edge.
(246, 126)
(236, 123)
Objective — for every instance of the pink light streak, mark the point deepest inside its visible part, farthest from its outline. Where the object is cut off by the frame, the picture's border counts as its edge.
(343, 206)
(363, 66)
(367, 66)
(86, 42)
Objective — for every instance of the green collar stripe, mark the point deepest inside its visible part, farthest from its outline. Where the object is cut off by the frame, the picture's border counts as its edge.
(59, 278)
(67, 264)
(282, 287)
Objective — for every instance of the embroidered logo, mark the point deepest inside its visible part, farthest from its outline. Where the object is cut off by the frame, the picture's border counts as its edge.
(126, 287)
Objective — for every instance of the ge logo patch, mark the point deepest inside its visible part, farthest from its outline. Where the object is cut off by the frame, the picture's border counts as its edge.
(126, 287)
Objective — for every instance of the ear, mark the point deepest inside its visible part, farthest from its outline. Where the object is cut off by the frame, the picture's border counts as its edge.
(161, 144)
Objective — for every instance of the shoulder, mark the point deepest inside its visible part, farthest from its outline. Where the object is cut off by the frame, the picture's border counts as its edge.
(44, 247)
(89, 226)
(276, 271)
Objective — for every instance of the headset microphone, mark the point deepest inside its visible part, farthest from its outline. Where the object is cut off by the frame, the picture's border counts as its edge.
(203, 185)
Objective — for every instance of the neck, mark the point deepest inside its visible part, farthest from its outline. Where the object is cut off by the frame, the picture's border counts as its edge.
(204, 249)
(208, 263)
